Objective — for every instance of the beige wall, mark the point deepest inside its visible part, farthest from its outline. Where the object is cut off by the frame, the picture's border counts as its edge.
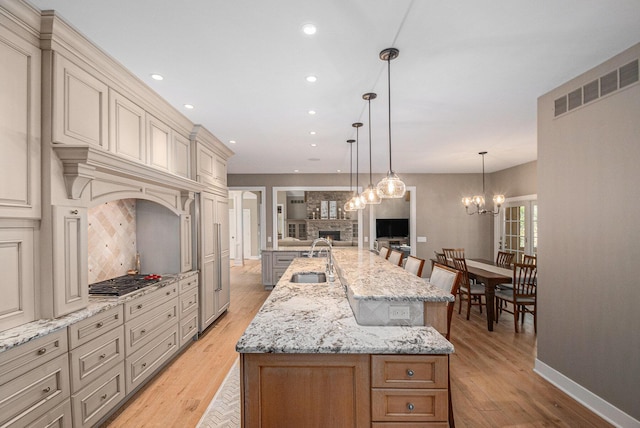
(440, 214)
(588, 175)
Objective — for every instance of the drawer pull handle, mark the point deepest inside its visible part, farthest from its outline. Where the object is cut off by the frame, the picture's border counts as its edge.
(169, 344)
(144, 365)
(410, 407)
(47, 389)
(100, 324)
(103, 356)
(42, 351)
(139, 306)
(143, 331)
(74, 212)
(103, 397)
(168, 315)
(410, 372)
(168, 293)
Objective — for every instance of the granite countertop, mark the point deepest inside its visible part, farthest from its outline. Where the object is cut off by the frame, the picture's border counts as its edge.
(317, 318)
(38, 328)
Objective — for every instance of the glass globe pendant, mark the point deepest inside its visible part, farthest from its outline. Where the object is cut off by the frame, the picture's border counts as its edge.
(358, 200)
(370, 195)
(349, 206)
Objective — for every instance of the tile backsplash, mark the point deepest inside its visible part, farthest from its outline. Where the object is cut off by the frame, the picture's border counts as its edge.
(111, 239)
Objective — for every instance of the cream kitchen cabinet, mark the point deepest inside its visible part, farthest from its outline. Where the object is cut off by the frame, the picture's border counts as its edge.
(180, 160)
(188, 309)
(186, 243)
(159, 141)
(214, 257)
(81, 105)
(127, 127)
(19, 122)
(210, 158)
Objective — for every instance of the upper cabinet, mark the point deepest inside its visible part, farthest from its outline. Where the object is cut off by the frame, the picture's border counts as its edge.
(127, 128)
(19, 122)
(180, 161)
(81, 111)
(210, 158)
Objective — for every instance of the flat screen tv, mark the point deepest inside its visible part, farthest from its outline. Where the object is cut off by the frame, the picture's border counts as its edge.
(392, 227)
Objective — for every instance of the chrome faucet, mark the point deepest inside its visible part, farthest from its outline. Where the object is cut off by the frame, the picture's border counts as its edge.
(329, 255)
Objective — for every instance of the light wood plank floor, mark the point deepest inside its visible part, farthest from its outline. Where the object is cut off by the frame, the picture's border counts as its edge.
(492, 378)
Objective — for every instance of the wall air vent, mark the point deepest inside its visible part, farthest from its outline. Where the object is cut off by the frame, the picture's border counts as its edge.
(560, 106)
(608, 83)
(575, 98)
(605, 85)
(590, 91)
(629, 74)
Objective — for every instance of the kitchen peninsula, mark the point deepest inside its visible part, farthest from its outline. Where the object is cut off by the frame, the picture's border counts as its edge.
(304, 357)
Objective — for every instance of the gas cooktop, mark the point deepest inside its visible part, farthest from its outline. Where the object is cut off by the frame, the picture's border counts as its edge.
(122, 285)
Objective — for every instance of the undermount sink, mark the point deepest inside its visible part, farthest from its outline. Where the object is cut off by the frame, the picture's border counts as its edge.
(308, 277)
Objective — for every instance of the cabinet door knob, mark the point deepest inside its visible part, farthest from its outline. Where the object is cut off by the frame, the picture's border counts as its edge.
(42, 351)
(74, 212)
(100, 324)
(139, 306)
(47, 389)
(410, 372)
(410, 406)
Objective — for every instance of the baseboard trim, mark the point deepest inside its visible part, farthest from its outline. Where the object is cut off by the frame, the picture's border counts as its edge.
(597, 405)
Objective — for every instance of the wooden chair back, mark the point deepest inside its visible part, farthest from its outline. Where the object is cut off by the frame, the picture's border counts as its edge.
(453, 253)
(446, 279)
(414, 265)
(461, 265)
(396, 257)
(504, 259)
(528, 260)
(524, 281)
(441, 258)
(384, 252)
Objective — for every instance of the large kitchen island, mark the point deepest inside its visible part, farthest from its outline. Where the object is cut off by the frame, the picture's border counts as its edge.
(307, 362)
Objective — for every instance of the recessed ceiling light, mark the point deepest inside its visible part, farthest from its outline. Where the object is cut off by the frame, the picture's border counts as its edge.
(232, 141)
(338, 170)
(156, 76)
(309, 29)
(311, 79)
(312, 112)
(296, 170)
(312, 132)
(314, 145)
(188, 106)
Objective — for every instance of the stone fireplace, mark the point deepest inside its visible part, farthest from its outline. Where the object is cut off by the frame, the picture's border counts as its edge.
(332, 235)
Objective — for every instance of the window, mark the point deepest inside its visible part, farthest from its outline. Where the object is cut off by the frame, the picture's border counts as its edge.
(518, 229)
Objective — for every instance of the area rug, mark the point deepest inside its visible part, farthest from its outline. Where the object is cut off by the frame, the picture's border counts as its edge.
(224, 409)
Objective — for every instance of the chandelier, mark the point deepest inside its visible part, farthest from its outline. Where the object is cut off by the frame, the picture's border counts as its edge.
(478, 200)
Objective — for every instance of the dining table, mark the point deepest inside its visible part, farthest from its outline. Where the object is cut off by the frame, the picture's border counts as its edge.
(489, 274)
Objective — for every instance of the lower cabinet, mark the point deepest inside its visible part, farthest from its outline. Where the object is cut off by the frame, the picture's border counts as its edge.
(144, 362)
(100, 396)
(274, 263)
(355, 390)
(188, 310)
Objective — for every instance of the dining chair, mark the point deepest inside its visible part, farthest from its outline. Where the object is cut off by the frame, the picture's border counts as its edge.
(504, 259)
(529, 260)
(453, 253)
(395, 257)
(522, 296)
(384, 252)
(414, 265)
(441, 258)
(447, 279)
(472, 293)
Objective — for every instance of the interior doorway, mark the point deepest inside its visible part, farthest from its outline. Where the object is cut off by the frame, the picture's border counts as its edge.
(246, 223)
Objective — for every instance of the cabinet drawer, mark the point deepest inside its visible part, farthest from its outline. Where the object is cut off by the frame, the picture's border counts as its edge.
(58, 417)
(277, 274)
(45, 385)
(189, 283)
(409, 371)
(284, 258)
(188, 327)
(146, 327)
(188, 301)
(141, 305)
(90, 328)
(30, 355)
(143, 363)
(409, 405)
(91, 359)
(99, 397)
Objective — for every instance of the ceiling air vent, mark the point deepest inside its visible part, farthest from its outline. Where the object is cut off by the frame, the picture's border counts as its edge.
(560, 106)
(575, 98)
(629, 74)
(608, 83)
(590, 91)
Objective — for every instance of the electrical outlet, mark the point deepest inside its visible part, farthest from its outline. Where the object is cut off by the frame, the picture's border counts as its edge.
(422, 239)
(398, 312)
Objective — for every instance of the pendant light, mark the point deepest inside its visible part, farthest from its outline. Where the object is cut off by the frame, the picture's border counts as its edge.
(349, 206)
(391, 186)
(478, 200)
(370, 195)
(358, 200)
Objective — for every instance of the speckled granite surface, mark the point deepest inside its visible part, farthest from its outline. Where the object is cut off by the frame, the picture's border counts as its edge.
(33, 330)
(317, 318)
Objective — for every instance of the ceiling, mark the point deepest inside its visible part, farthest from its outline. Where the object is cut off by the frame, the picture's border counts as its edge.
(466, 80)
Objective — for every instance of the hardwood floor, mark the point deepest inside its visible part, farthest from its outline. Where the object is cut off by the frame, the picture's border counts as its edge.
(492, 378)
